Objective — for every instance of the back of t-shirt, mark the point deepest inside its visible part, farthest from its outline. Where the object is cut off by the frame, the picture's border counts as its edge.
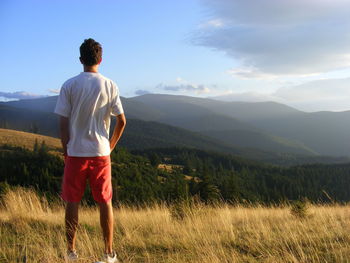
(88, 100)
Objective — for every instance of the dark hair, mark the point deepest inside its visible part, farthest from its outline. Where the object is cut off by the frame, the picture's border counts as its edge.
(90, 52)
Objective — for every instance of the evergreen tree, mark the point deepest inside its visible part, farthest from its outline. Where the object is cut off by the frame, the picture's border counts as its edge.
(36, 146)
(43, 148)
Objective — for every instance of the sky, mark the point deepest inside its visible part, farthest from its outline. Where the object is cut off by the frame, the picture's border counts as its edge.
(295, 52)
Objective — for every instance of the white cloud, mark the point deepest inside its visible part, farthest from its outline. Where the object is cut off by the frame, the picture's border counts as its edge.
(250, 73)
(281, 38)
(318, 95)
(186, 88)
(20, 95)
(324, 89)
(213, 23)
(55, 91)
(180, 80)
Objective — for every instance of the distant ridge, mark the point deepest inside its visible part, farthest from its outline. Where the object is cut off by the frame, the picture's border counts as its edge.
(327, 133)
(190, 113)
(138, 134)
(236, 109)
(264, 130)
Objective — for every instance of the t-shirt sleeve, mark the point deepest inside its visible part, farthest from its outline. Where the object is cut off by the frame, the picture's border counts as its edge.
(63, 105)
(117, 107)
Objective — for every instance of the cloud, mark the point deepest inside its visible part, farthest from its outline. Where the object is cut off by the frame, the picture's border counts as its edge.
(212, 23)
(55, 91)
(140, 92)
(197, 89)
(318, 95)
(250, 73)
(281, 38)
(318, 90)
(185, 87)
(20, 95)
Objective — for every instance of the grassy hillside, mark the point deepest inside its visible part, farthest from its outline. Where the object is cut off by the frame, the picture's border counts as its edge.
(27, 140)
(33, 231)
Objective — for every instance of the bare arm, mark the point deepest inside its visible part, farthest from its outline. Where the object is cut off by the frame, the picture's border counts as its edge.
(118, 130)
(64, 133)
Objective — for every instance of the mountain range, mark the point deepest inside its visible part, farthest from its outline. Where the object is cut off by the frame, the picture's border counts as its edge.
(323, 133)
(263, 131)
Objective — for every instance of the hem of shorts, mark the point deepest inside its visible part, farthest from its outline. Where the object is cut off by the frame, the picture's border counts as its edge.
(69, 201)
(99, 202)
(104, 201)
(88, 154)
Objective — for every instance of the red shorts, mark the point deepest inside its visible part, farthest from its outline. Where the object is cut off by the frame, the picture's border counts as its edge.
(78, 170)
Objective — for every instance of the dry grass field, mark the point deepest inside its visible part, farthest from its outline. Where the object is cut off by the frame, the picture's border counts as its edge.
(27, 140)
(31, 230)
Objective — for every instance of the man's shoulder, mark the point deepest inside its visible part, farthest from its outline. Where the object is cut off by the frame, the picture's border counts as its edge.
(70, 80)
(107, 79)
(78, 78)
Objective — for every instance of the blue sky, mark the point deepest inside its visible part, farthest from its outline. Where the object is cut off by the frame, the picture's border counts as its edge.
(293, 51)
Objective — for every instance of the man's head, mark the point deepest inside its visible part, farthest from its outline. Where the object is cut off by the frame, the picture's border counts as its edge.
(90, 52)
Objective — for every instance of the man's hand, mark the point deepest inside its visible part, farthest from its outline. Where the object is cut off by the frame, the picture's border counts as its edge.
(118, 130)
(64, 133)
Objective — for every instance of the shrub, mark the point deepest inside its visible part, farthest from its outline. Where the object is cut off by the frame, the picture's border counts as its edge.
(300, 209)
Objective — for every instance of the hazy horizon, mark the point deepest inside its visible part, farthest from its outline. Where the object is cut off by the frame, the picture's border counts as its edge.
(243, 97)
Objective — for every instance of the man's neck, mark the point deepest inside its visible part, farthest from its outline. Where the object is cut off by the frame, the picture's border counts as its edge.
(93, 68)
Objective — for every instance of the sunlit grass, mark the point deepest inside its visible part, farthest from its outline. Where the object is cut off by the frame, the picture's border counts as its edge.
(31, 230)
(27, 140)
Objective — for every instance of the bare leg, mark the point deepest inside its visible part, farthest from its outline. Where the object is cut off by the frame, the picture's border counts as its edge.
(71, 224)
(106, 220)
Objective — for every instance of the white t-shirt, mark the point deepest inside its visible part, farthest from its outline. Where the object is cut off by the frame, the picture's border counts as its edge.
(88, 100)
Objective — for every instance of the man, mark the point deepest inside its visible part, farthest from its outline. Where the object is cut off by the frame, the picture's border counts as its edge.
(85, 105)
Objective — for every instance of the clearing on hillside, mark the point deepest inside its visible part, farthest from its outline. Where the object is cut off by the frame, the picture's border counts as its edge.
(27, 140)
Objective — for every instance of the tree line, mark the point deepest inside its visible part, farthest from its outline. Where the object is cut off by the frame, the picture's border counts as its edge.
(138, 177)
